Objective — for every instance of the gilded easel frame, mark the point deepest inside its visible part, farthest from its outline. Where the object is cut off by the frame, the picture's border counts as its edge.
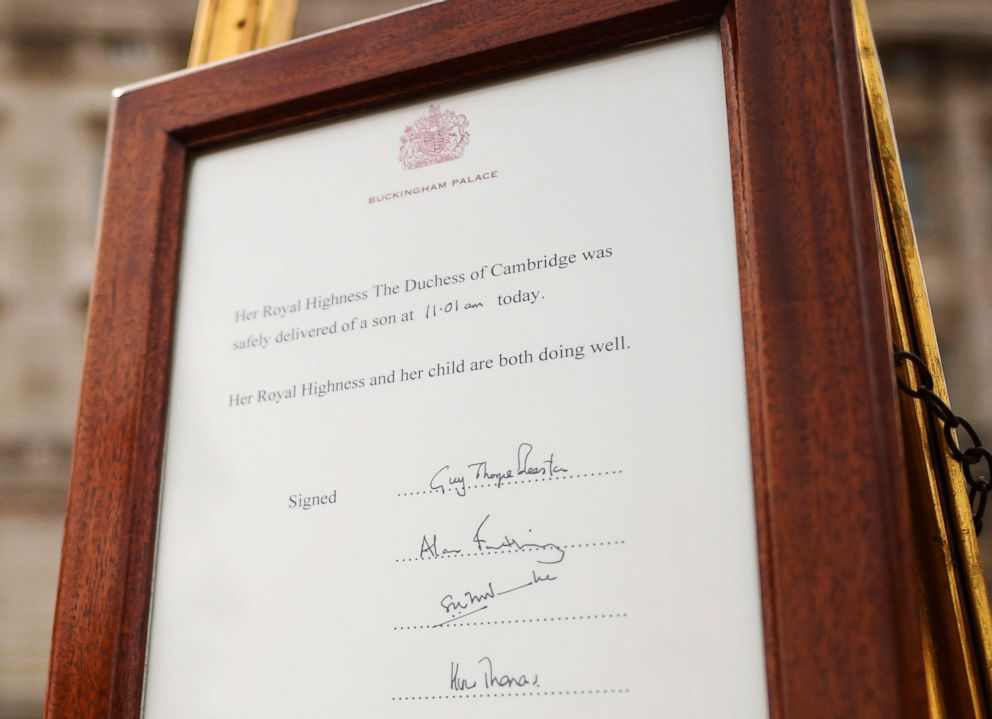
(956, 619)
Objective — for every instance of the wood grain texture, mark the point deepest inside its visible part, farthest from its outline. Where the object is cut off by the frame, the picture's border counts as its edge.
(839, 592)
(839, 600)
(107, 555)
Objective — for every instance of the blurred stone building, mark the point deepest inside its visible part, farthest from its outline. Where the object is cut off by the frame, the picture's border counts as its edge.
(58, 63)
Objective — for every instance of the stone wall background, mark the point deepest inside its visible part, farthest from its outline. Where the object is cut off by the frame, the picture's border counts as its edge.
(59, 61)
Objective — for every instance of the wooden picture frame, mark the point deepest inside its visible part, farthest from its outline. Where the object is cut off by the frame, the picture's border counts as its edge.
(841, 618)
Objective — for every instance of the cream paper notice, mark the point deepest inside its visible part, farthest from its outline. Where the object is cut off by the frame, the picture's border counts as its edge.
(457, 423)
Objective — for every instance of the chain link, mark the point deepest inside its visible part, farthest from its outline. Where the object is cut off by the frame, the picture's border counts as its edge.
(970, 458)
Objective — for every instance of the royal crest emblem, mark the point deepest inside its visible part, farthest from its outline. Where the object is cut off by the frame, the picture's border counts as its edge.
(438, 136)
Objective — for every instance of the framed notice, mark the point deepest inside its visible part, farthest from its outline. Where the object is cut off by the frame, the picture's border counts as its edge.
(494, 357)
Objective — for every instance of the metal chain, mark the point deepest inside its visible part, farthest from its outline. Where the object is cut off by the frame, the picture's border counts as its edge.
(979, 484)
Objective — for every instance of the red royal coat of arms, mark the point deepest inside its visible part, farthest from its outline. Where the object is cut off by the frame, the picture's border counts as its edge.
(438, 136)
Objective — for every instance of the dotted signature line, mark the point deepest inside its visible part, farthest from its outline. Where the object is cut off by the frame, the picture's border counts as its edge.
(493, 695)
(507, 482)
(532, 620)
(459, 555)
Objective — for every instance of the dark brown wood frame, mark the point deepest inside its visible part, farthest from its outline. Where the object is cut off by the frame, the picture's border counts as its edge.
(840, 604)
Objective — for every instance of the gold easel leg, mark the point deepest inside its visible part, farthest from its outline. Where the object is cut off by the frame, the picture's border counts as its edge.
(956, 619)
(230, 27)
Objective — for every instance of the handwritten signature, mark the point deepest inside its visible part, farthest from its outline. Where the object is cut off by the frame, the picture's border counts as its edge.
(550, 552)
(490, 678)
(446, 480)
(471, 602)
